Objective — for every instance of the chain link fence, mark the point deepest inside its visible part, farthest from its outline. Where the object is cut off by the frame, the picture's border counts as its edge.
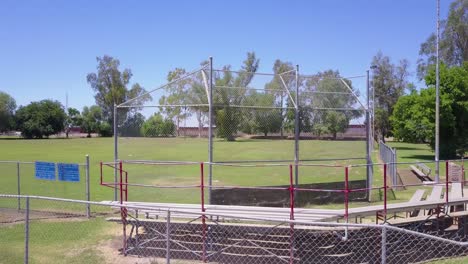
(227, 116)
(388, 155)
(19, 177)
(48, 230)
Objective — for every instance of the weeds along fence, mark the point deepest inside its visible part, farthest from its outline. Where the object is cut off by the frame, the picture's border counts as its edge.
(388, 155)
(46, 230)
(227, 116)
(20, 178)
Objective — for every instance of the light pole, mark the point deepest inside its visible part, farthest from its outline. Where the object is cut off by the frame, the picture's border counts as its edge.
(437, 100)
(373, 67)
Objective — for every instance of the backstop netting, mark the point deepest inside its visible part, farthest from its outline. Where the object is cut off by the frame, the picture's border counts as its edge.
(247, 127)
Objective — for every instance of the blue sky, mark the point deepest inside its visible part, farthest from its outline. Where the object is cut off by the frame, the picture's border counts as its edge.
(48, 47)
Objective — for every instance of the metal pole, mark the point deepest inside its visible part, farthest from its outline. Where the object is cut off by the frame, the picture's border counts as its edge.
(368, 160)
(26, 234)
(18, 183)
(88, 198)
(296, 130)
(437, 100)
(384, 244)
(346, 215)
(210, 134)
(168, 239)
(373, 115)
(385, 191)
(116, 153)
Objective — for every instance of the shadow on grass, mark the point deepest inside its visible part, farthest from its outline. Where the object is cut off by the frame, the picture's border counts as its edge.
(409, 148)
(20, 138)
(420, 157)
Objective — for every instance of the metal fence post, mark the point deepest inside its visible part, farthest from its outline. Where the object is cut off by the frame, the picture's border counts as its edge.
(18, 183)
(296, 130)
(384, 244)
(88, 206)
(168, 239)
(26, 234)
(116, 152)
(210, 133)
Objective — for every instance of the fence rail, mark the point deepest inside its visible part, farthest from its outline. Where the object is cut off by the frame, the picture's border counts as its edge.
(24, 171)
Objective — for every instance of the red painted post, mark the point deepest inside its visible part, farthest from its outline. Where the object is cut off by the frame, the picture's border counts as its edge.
(446, 181)
(346, 191)
(202, 190)
(121, 181)
(126, 186)
(385, 190)
(291, 215)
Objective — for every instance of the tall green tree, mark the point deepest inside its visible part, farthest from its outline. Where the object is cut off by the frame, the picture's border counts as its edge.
(73, 119)
(389, 82)
(228, 116)
(7, 112)
(91, 119)
(263, 119)
(453, 44)
(111, 87)
(41, 119)
(157, 126)
(132, 126)
(178, 95)
(283, 79)
(414, 115)
(336, 122)
(328, 102)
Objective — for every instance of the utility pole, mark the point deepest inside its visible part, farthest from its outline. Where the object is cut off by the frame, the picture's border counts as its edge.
(437, 168)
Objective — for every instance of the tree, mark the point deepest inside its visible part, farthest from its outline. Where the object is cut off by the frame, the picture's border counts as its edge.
(389, 82)
(328, 103)
(336, 122)
(41, 119)
(92, 118)
(7, 111)
(414, 117)
(178, 96)
(110, 86)
(132, 126)
(228, 116)
(156, 126)
(261, 120)
(73, 119)
(283, 79)
(409, 121)
(453, 44)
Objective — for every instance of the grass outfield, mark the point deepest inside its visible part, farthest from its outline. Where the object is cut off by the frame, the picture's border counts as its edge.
(101, 149)
(96, 241)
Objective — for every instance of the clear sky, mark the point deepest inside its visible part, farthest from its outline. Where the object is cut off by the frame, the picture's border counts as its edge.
(48, 47)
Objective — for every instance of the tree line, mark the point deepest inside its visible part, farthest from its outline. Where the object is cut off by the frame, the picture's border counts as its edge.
(408, 114)
(401, 110)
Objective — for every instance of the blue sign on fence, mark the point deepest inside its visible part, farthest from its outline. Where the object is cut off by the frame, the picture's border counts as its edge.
(45, 170)
(68, 172)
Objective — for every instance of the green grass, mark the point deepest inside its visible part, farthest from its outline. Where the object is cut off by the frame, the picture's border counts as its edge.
(76, 241)
(55, 242)
(101, 149)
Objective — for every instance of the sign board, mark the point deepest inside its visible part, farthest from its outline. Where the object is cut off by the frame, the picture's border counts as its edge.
(456, 173)
(45, 170)
(68, 172)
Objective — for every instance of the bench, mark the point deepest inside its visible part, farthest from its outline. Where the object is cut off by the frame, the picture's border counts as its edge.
(422, 171)
(435, 195)
(417, 196)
